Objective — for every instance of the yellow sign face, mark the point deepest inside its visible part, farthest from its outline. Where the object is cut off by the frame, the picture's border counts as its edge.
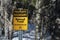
(20, 21)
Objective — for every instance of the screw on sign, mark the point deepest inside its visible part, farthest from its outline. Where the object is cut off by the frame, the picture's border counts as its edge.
(20, 28)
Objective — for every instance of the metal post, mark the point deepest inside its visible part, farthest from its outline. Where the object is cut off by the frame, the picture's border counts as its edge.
(20, 35)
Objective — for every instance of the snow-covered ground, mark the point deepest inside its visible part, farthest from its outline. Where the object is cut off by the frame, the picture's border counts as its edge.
(26, 36)
(16, 38)
(30, 34)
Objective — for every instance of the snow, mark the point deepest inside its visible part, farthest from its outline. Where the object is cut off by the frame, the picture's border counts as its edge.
(16, 38)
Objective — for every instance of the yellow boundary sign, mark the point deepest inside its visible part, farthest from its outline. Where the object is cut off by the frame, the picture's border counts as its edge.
(20, 19)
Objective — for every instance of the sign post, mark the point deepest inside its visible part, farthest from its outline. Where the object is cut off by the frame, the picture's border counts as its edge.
(20, 21)
(20, 35)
